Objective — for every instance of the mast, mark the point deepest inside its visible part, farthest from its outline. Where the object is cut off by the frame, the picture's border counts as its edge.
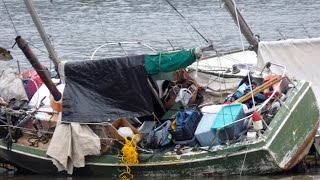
(36, 20)
(245, 29)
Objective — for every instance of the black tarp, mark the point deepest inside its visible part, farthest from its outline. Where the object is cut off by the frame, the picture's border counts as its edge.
(104, 90)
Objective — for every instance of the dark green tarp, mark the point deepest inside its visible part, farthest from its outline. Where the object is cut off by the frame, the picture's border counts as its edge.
(169, 61)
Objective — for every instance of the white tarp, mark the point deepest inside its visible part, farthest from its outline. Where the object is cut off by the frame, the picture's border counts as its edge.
(11, 85)
(70, 144)
(301, 57)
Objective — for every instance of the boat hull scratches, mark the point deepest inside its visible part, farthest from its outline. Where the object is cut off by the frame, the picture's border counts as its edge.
(222, 166)
(254, 162)
(298, 129)
(302, 151)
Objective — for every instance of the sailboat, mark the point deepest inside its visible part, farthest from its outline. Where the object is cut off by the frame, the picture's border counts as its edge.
(110, 117)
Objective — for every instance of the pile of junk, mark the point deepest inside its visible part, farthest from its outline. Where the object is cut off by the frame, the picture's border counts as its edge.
(186, 118)
(169, 116)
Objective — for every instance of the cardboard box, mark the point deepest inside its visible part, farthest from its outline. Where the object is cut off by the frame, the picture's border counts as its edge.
(112, 129)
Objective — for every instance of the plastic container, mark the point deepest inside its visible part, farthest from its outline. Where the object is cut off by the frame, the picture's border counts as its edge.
(146, 128)
(240, 90)
(190, 124)
(227, 115)
(205, 135)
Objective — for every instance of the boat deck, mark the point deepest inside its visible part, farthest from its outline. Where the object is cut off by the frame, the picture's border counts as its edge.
(32, 140)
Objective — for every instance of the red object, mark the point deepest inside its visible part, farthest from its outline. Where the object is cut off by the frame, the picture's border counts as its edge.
(32, 82)
(267, 92)
(256, 116)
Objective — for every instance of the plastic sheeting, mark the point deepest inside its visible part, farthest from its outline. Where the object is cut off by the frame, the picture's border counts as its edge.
(11, 85)
(170, 61)
(105, 90)
(299, 56)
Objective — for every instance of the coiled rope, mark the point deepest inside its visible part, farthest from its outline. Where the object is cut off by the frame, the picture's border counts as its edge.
(129, 156)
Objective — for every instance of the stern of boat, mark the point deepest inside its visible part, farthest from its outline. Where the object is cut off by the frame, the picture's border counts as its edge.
(292, 131)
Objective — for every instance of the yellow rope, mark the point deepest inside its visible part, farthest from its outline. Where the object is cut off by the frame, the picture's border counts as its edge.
(129, 156)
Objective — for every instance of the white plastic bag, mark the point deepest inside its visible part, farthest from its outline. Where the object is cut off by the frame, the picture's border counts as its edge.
(184, 96)
(125, 132)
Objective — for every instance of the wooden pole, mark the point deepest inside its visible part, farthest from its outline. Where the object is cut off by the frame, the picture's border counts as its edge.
(43, 72)
(259, 89)
(36, 20)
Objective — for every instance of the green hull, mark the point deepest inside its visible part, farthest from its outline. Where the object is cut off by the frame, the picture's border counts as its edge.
(285, 143)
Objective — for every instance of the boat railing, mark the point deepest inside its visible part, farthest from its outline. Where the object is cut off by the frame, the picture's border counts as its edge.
(120, 45)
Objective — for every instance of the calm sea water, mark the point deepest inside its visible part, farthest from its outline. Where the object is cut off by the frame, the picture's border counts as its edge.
(77, 27)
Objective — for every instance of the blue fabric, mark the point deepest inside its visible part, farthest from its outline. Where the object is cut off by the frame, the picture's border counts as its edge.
(180, 117)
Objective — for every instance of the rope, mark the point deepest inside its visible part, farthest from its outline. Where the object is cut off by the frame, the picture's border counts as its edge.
(244, 160)
(10, 17)
(44, 139)
(129, 151)
(129, 156)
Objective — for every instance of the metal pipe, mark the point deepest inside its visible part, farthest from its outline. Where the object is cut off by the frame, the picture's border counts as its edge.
(245, 29)
(43, 72)
(36, 20)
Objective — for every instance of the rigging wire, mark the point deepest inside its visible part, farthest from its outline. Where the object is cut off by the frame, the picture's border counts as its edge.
(197, 22)
(188, 21)
(198, 38)
(96, 7)
(305, 29)
(102, 27)
(238, 23)
(62, 20)
(15, 29)
(190, 34)
(215, 23)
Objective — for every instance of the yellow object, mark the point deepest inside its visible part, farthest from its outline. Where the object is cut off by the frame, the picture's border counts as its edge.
(174, 125)
(129, 156)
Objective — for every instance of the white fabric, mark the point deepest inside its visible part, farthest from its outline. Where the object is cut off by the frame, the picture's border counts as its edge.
(46, 109)
(301, 57)
(216, 88)
(70, 144)
(11, 85)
